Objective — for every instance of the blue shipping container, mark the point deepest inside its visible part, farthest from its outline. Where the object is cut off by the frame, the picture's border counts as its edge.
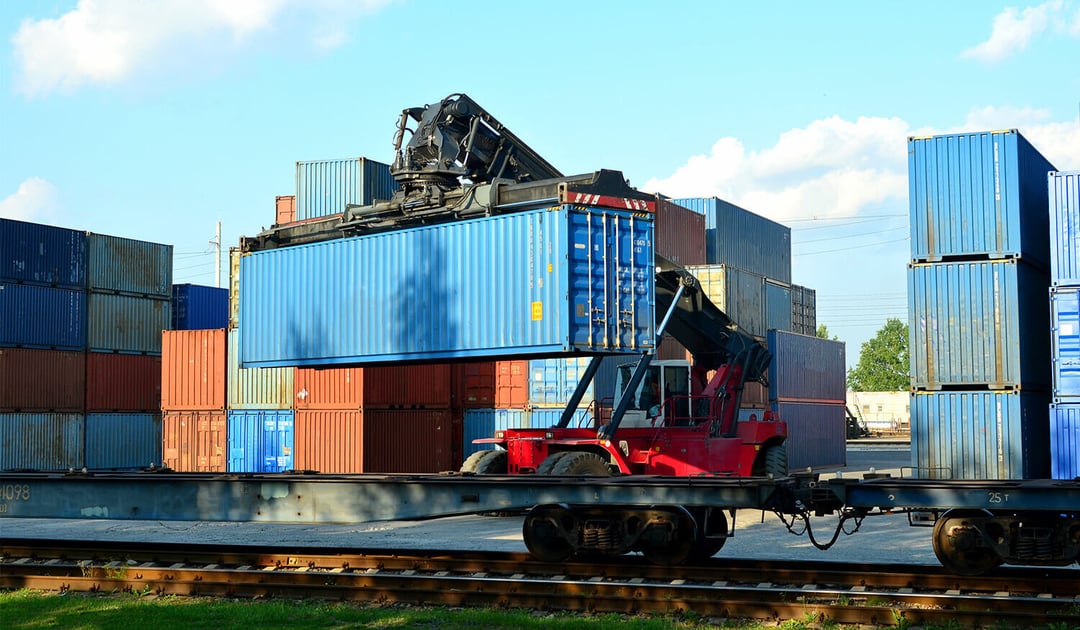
(197, 307)
(980, 435)
(737, 237)
(543, 283)
(42, 317)
(776, 301)
(978, 323)
(123, 265)
(324, 187)
(483, 423)
(42, 441)
(1065, 337)
(125, 323)
(123, 440)
(42, 254)
(817, 435)
(807, 368)
(1064, 189)
(978, 193)
(260, 441)
(1065, 441)
(552, 381)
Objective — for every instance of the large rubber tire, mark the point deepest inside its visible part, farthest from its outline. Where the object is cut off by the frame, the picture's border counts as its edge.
(973, 561)
(776, 461)
(550, 462)
(581, 464)
(485, 463)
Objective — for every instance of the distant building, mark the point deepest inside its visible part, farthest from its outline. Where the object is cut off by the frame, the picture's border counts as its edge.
(882, 412)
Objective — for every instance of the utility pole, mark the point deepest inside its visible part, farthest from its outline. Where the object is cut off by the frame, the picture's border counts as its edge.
(217, 256)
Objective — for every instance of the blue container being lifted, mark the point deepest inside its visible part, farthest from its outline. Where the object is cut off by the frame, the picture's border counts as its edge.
(549, 282)
(42, 317)
(1064, 228)
(32, 253)
(197, 307)
(978, 194)
(739, 238)
(324, 187)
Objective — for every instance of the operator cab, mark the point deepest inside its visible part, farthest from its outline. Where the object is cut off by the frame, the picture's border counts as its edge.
(663, 390)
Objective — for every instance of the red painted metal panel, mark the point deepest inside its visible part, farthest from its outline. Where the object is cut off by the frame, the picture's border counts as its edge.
(195, 441)
(193, 366)
(286, 209)
(407, 441)
(473, 385)
(680, 234)
(511, 384)
(329, 441)
(122, 382)
(424, 386)
(334, 388)
(42, 380)
(413, 386)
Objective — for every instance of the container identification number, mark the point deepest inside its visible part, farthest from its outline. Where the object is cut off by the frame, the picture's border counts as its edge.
(15, 492)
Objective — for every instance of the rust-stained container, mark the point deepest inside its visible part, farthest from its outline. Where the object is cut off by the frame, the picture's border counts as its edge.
(42, 380)
(193, 370)
(123, 265)
(511, 384)
(286, 209)
(122, 382)
(374, 441)
(680, 234)
(42, 441)
(256, 388)
(473, 385)
(195, 441)
(124, 323)
(234, 287)
(329, 440)
(333, 388)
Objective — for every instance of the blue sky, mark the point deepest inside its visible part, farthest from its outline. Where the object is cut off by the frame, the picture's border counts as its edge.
(155, 120)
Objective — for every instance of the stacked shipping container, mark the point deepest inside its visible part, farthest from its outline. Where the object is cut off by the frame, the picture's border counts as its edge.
(977, 328)
(1064, 204)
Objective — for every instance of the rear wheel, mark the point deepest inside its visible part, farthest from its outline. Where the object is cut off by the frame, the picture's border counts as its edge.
(485, 463)
(581, 463)
(550, 461)
(541, 533)
(670, 546)
(956, 544)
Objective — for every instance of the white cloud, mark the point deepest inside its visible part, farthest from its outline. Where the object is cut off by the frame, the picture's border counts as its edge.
(110, 41)
(1059, 142)
(1014, 29)
(35, 200)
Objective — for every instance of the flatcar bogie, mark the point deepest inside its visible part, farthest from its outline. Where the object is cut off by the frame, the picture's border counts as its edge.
(972, 542)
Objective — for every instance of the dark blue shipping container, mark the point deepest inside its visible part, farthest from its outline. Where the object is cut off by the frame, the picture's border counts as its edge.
(123, 440)
(324, 187)
(739, 238)
(42, 317)
(197, 307)
(806, 368)
(543, 282)
(978, 194)
(42, 254)
(1064, 228)
(1065, 441)
(776, 301)
(817, 435)
(1065, 337)
(260, 441)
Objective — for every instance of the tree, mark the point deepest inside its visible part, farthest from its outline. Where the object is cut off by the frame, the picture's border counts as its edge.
(883, 361)
(823, 333)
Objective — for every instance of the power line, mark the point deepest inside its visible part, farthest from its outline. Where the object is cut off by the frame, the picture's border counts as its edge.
(838, 237)
(845, 249)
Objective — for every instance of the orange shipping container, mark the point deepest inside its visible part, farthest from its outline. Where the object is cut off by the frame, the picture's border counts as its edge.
(374, 441)
(286, 209)
(195, 441)
(193, 366)
(122, 382)
(511, 384)
(406, 387)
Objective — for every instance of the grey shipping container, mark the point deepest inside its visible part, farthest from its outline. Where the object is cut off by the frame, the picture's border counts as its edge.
(125, 323)
(978, 193)
(738, 237)
(776, 301)
(42, 441)
(817, 435)
(1064, 190)
(806, 368)
(42, 317)
(980, 435)
(324, 187)
(42, 254)
(128, 266)
(1065, 339)
(1065, 441)
(978, 324)
(123, 440)
(803, 310)
(737, 292)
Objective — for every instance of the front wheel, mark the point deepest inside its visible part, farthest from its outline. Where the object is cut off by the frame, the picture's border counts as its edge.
(488, 462)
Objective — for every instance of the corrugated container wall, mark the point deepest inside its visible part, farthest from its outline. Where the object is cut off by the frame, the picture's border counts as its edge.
(401, 386)
(552, 381)
(1064, 190)
(330, 441)
(197, 307)
(777, 304)
(1065, 441)
(980, 435)
(324, 187)
(195, 441)
(512, 384)
(412, 441)
(42, 380)
(285, 209)
(472, 385)
(737, 292)
(234, 287)
(42, 317)
(42, 254)
(817, 435)
(193, 367)
(432, 293)
(123, 382)
(124, 265)
(680, 234)
(123, 440)
(978, 323)
(124, 323)
(737, 237)
(257, 388)
(807, 368)
(1065, 339)
(803, 310)
(261, 441)
(978, 193)
(42, 441)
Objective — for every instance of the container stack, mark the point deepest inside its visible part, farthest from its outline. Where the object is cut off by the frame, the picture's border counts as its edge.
(1064, 198)
(193, 394)
(80, 347)
(978, 345)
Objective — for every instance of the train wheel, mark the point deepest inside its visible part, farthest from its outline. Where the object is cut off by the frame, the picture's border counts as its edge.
(776, 461)
(716, 527)
(678, 546)
(580, 463)
(550, 461)
(541, 533)
(485, 463)
(956, 544)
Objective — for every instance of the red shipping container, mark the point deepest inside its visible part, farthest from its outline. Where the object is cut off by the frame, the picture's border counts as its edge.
(122, 382)
(286, 209)
(374, 441)
(195, 441)
(511, 384)
(407, 387)
(193, 367)
(680, 234)
(473, 385)
(42, 380)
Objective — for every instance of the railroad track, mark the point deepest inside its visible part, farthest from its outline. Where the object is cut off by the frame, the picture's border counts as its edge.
(719, 587)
